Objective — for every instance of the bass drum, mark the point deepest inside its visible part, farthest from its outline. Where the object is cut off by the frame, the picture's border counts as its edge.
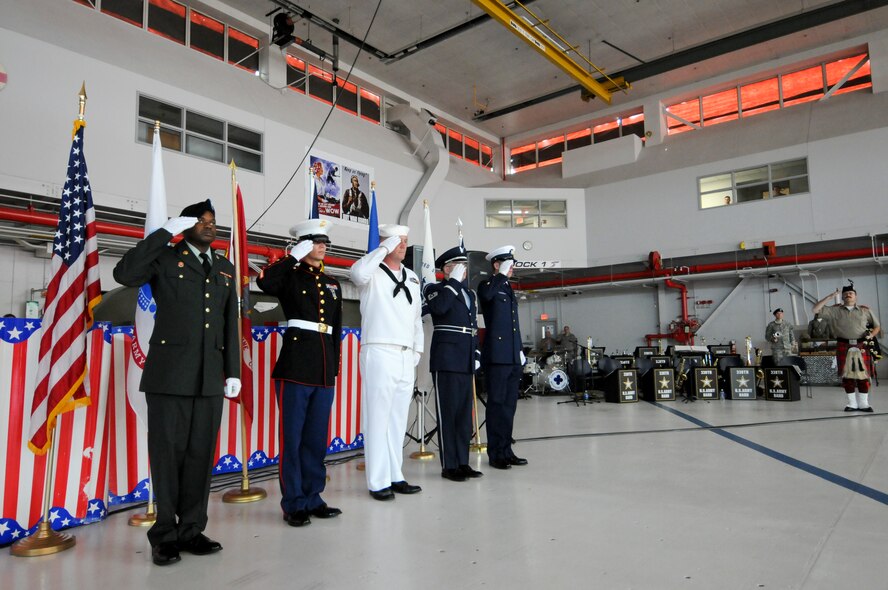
(557, 380)
(551, 378)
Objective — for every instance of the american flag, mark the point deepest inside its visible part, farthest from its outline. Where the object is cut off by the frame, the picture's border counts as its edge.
(73, 292)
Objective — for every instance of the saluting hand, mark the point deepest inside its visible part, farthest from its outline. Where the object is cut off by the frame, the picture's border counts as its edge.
(301, 249)
(391, 243)
(176, 225)
(505, 266)
(458, 273)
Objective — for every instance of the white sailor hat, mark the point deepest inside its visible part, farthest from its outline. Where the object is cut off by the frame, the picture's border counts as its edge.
(312, 229)
(455, 254)
(390, 229)
(504, 253)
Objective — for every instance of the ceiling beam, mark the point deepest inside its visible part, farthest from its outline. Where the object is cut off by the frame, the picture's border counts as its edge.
(543, 45)
(735, 42)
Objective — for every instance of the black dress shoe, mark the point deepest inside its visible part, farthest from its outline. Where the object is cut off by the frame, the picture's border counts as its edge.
(383, 494)
(298, 518)
(200, 545)
(453, 475)
(500, 464)
(469, 472)
(868, 409)
(324, 511)
(165, 554)
(850, 409)
(402, 487)
(517, 461)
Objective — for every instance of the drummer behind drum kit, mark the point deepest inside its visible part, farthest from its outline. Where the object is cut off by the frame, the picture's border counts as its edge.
(550, 377)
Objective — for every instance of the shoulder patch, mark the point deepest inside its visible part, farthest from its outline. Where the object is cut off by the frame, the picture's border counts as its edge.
(432, 295)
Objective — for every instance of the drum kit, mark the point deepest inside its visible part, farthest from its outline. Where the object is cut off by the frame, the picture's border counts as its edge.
(551, 376)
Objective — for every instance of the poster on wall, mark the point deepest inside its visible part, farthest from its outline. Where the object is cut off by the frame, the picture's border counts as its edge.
(341, 188)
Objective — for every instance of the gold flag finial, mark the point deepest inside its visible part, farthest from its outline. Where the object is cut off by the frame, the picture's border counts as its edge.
(232, 165)
(425, 203)
(82, 96)
(157, 125)
(373, 184)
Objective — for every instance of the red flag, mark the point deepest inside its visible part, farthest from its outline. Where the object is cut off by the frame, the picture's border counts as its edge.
(238, 248)
(73, 292)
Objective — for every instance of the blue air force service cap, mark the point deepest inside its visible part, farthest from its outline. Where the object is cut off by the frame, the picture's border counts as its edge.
(455, 254)
(198, 209)
(316, 230)
(504, 253)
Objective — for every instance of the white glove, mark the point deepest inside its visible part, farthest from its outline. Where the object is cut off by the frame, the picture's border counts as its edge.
(522, 357)
(458, 273)
(301, 249)
(477, 365)
(391, 243)
(506, 266)
(176, 225)
(416, 357)
(232, 387)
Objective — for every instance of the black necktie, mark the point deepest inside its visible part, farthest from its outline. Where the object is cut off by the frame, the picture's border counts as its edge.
(205, 259)
(402, 284)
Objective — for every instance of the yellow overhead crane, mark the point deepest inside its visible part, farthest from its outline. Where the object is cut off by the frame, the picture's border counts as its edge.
(552, 51)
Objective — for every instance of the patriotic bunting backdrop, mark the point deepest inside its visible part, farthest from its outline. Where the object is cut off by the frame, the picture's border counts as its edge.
(102, 455)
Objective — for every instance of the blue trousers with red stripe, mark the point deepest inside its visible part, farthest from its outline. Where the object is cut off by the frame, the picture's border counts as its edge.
(305, 417)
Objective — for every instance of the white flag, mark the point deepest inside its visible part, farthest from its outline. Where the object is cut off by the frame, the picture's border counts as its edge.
(155, 217)
(423, 375)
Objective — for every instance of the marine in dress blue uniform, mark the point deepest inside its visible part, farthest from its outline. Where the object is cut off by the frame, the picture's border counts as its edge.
(501, 358)
(454, 357)
(306, 369)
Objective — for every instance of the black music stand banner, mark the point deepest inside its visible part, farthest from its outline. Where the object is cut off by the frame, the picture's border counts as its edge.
(741, 383)
(782, 384)
(658, 385)
(622, 387)
(704, 385)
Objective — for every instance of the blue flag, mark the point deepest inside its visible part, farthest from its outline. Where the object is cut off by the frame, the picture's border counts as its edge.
(373, 235)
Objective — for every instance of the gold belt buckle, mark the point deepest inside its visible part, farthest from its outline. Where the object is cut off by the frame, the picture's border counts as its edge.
(322, 327)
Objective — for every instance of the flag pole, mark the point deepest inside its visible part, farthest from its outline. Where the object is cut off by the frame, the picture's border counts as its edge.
(245, 493)
(45, 541)
(149, 517)
(422, 454)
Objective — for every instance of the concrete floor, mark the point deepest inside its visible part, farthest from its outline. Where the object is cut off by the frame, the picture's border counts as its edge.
(743, 494)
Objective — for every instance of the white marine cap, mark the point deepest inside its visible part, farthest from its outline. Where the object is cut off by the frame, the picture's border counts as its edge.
(503, 253)
(311, 229)
(389, 229)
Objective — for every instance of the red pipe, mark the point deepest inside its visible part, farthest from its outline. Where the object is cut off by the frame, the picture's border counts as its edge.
(117, 229)
(702, 268)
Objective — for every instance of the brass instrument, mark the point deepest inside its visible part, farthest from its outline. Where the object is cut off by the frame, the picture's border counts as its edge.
(680, 376)
(749, 351)
(760, 373)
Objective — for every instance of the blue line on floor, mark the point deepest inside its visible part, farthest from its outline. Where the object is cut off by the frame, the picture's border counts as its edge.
(806, 467)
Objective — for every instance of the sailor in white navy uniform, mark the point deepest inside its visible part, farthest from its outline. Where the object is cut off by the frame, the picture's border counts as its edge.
(391, 346)
(501, 357)
(453, 359)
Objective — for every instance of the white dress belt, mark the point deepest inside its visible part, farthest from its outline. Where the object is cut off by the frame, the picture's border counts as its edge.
(313, 326)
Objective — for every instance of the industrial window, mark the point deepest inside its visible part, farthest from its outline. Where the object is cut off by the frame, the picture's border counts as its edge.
(442, 131)
(754, 184)
(370, 106)
(126, 10)
(167, 19)
(199, 135)
(455, 143)
(295, 74)
(525, 214)
(550, 151)
(243, 50)
(809, 84)
(347, 97)
(486, 156)
(320, 84)
(471, 148)
(207, 35)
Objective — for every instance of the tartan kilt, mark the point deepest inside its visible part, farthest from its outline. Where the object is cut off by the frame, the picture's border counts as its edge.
(842, 353)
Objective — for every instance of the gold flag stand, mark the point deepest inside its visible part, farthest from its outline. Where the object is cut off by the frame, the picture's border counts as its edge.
(244, 493)
(44, 541)
(477, 446)
(149, 517)
(422, 454)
